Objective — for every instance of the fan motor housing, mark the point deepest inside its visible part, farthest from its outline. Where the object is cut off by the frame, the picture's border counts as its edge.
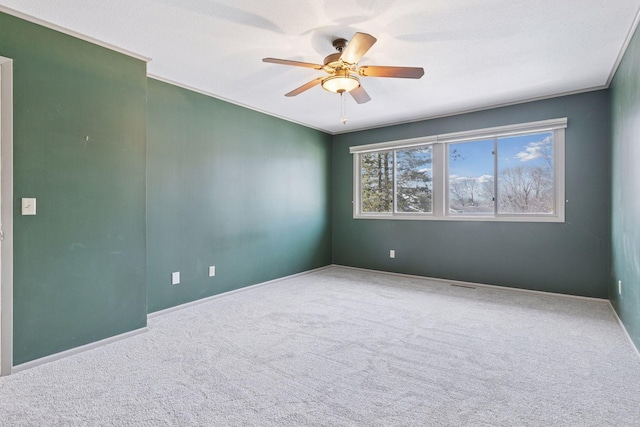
(333, 60)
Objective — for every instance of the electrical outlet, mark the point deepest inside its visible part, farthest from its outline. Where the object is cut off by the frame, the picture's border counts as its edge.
(212, 270)
(619, 287)
(392, 253)
(175, 278)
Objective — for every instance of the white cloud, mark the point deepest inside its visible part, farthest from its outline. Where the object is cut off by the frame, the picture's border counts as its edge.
(485, 178)
(535, 150)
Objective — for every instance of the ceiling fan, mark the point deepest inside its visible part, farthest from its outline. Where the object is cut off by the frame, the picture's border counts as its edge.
(343, 70)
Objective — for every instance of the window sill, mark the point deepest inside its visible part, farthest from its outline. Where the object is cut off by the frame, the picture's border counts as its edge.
(467, 218)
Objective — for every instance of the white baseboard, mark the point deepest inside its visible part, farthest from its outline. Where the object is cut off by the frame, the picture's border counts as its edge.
(472, 284)
(224, 294)
(90, 346)
(77, 350)
(633, 345)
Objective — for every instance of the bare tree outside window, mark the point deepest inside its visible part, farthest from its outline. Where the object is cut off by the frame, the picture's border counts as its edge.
(471, 178)
(525, 167)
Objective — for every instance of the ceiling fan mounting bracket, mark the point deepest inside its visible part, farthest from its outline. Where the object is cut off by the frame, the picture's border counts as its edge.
(340, 44)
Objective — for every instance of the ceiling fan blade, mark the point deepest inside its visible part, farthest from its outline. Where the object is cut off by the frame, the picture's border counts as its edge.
(305, 86)
(400, 72)
(294, 63)
(357, 47)
(360, 95)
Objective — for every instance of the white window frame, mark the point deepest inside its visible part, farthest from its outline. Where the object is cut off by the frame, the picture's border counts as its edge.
(439, 154)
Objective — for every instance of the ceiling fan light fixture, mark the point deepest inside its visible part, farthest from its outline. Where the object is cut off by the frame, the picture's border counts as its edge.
(343, 69)
(341, 82)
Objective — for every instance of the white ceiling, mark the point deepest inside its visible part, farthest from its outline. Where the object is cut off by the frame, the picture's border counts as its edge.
(476, 53)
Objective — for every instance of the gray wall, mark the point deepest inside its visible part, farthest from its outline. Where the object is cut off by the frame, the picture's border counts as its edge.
(230, 187)
(570, 257)
(625, 190)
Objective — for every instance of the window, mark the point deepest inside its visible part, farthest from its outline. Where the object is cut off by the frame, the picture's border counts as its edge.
(510, 173)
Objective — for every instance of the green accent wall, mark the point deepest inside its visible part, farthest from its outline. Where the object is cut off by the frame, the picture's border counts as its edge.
(79, 264)
(570, 257)
(625, 190)
(230, 187)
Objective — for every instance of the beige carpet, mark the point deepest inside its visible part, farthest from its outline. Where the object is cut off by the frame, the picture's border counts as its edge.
(344, 347)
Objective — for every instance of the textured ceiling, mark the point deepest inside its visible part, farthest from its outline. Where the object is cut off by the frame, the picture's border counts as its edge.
(476, 54)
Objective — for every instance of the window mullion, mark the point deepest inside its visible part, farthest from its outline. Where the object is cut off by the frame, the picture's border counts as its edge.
(495, 176)
(395, 184)
(357, 185)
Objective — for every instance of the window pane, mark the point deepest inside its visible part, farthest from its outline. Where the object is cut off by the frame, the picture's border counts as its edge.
(525, 174)
(471, 178)
(377, 182)
(413, 177)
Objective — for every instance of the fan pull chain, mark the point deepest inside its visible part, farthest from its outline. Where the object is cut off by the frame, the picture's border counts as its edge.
(343, 109)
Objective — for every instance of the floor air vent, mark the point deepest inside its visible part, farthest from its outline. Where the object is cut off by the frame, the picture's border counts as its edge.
(462, 286)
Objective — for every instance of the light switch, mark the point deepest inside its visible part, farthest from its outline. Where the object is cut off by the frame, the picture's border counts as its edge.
(212, 270)
(28, 206)
(175, 278)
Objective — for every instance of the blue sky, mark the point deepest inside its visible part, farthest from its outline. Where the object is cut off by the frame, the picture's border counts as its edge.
(476, 159)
